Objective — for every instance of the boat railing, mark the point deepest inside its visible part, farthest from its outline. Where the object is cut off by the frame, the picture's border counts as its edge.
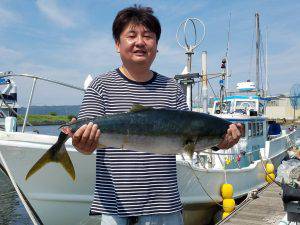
(249, 155)
(34, 78)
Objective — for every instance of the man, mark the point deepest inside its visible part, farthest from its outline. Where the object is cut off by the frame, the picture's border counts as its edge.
(134, 187)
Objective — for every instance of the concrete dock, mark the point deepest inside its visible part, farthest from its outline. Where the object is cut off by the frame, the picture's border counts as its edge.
(267, 208)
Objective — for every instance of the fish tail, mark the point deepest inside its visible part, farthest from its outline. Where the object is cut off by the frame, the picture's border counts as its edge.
(57, 153)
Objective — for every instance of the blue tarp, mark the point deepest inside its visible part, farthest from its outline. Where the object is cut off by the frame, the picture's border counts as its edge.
(3, 81)
(274, 129)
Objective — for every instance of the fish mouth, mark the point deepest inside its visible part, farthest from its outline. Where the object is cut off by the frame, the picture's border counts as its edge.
(65, 128)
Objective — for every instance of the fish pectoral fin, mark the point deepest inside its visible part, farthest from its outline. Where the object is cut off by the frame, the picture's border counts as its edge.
(46, 158)
(65, 161)
(189, 149)
(138, 107)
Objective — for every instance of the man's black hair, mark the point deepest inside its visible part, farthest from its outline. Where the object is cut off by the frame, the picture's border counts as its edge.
(136, 15)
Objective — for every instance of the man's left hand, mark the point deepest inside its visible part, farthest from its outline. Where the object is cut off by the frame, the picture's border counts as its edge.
(232, 136)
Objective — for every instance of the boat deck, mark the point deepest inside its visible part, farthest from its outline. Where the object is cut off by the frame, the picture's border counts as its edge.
(266, 209)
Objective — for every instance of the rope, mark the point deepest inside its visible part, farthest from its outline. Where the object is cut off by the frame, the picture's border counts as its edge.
(211, 88)
(223, 165)
(217, 203)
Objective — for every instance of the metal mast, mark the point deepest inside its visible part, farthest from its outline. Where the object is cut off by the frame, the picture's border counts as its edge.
(204, 82)
(267, 78)
(257, 53)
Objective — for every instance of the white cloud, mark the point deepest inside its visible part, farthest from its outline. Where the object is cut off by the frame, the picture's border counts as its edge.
(55, 14)
(8, 16)
(93, 53)
(45, 94)
(8, 55)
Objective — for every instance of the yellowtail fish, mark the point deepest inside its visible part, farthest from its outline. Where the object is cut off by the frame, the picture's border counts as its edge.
(161, 131)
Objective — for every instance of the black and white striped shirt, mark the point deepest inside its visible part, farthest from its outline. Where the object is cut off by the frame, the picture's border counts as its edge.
(130, 183)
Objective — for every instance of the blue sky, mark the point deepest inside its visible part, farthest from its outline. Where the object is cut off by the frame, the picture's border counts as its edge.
(66, 40)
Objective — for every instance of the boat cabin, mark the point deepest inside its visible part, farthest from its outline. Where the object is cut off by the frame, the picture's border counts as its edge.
(238, 104)
(249, 111)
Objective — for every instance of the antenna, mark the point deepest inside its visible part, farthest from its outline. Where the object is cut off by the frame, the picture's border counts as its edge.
(227, 52)
(187, 80)
(266, 64)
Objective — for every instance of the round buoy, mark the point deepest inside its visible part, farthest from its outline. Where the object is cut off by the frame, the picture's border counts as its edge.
(270, 168)
(225, 214)
(227, 191)
(228, 205)
(270, 177)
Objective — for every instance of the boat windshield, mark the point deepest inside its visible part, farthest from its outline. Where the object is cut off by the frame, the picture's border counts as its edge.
(244, 106)
(225, 107)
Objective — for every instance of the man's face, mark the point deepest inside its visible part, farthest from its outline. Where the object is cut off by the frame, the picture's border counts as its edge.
(137, 45)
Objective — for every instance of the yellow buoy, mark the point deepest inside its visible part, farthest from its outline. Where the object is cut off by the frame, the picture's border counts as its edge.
(228, 205)
(225, 214)
(227, 191)
(227, 161)
(270, 168)
(270, 177)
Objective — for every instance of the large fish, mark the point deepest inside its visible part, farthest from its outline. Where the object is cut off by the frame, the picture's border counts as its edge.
(161, 131)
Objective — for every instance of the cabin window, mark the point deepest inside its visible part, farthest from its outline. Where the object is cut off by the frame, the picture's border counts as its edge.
(249, 129)
(261, 108)
(261, 128)
(254, 129)
(244, 125)
(244, 106)
(257, 129)
(226, 107)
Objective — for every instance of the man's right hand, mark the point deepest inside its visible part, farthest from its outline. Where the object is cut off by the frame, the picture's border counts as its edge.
(86, 138)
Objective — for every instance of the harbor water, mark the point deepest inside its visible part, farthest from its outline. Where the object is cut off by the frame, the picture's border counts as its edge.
(11, 209)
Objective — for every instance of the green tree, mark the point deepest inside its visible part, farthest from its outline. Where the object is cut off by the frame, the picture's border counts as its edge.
(52, 113)
(71, 116)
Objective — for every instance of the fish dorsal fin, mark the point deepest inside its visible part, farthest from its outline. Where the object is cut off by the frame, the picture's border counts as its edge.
(138, 108)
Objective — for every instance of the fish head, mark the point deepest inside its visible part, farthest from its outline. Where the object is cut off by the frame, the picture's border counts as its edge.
(66, 129)
(74, 125)
(70, 127)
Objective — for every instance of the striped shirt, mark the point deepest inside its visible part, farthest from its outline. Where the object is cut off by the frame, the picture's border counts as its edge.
(130, 183)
